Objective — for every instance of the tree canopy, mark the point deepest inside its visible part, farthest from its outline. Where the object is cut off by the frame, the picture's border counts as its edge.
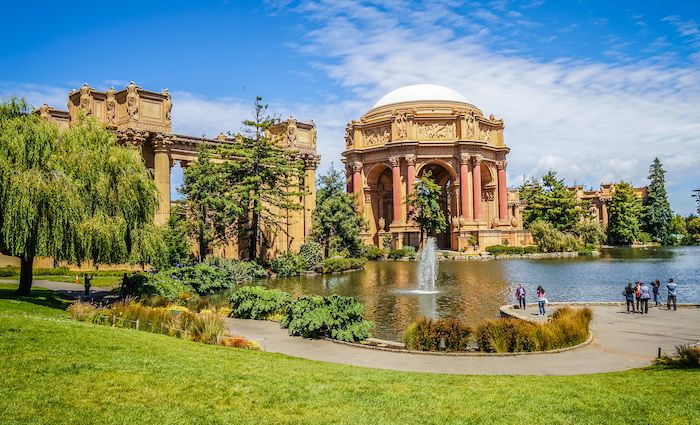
(624, 213)
(657, 213)
(72, 195)
(425, 209)
(549, 200)
(337, 224)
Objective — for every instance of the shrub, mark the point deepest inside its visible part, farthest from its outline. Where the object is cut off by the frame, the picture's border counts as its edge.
(567, 327)
(511, 250)
(395, 254)
(387, 241)
(550, 239)
(311, 254)
(257, 302)
(437, 335)
(288, 264)
(238, 271)
(589, 232)
(207, 328)
(82, 311)
(239, 342)
(334, 317)
(409, 251)
(165, 285)
(335, 265)
(373, 253)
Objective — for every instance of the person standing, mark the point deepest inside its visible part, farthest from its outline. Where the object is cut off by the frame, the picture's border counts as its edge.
(628, 292)
(520, 295)
(671, 286)
(87, 279)
(637, 290)
(541, 300)
(644, 295)
(655, 286)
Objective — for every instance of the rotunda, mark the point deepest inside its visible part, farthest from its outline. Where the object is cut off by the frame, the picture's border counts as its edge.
(426, 128)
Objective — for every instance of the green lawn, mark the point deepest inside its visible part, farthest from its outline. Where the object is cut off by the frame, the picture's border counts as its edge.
(54, 370)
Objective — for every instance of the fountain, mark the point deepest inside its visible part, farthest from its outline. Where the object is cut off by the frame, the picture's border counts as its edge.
(427, 268)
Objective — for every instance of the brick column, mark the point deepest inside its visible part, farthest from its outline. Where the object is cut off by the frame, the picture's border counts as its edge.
(476, 185)
(161, 176)
(396, 187)
(410, 176)
(463, 184)
(357, 183)
(502, 191)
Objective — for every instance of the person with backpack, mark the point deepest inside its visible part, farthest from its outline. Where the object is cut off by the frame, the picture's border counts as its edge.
(644, 295)
(671, 286)
(541, 300)
(520, 295)
(655, 286)
(628, 292)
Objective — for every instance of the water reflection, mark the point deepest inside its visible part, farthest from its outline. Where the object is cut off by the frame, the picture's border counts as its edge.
(474, 290)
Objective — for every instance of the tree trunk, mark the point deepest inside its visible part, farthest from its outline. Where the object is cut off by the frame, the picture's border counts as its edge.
(25, 276)
(253, 244)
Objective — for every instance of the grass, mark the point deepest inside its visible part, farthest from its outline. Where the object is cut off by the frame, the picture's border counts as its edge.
(56, 370)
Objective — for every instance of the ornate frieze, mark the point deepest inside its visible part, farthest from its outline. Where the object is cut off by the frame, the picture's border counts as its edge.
(377, 135)
(485, 134)
(401, 125)
(436, 130)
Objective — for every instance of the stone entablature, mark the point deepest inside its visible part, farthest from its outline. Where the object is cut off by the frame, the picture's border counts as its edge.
(143, 118)
(438, 121)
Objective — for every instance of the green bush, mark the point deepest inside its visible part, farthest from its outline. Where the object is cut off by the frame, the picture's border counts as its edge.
(409, 251)
(311, 254)
(550, 239)
(335, 265)
(373, 253)
(334, 317)
(567, 327)
(238, 271)
(405, 252)
(437, 335)
(286, 265)
(163, 284)
(589, 232)
(511, 250)
(9, 271)
(257, 302)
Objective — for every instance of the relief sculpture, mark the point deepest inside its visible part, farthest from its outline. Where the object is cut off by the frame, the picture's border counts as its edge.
(377, 135)
(436, 130)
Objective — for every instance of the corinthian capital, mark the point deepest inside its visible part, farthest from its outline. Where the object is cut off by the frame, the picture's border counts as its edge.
(395, 161)
(356, 166)
(501, 165)
(311, 161)
(465, 158)
(161, 143)
(476, 159)
(410, 159)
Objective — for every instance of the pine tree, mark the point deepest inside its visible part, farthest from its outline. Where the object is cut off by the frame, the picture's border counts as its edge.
(624, 213)
(337, 224)
(73, 195)
(550, 201)
(425, 207)
(657, 213)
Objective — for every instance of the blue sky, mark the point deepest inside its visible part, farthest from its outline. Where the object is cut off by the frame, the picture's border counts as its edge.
(591, 89)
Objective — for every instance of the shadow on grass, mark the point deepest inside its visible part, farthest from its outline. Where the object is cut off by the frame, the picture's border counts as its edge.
(43, 297)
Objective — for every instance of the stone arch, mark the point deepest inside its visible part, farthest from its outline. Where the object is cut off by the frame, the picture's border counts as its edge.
(444, 175)
(447, 165)
(379, 180)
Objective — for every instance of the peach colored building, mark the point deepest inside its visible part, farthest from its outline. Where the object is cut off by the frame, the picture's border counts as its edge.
(600, 199)
(428, 128)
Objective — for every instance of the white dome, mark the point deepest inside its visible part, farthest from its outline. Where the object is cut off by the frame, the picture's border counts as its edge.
(420, 92)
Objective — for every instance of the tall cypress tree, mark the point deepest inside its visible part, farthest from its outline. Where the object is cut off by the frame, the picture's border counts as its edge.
(657, 213)
(624, 212)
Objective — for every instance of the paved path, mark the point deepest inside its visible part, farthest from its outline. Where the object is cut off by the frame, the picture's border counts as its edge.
(621, 341)
(70, 290)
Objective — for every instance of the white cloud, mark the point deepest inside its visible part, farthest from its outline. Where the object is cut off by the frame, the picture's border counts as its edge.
(592, 121)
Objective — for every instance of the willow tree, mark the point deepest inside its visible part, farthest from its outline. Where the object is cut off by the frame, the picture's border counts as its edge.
(73, 196)
(425, 208)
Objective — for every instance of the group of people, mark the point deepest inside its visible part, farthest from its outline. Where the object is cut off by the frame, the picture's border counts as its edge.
(541, 300)
(638, 296)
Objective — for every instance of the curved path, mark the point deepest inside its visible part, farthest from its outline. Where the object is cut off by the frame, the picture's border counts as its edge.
(621, 341)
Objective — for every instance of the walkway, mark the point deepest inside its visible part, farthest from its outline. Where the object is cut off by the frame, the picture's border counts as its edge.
(621, 341)
(71, 290)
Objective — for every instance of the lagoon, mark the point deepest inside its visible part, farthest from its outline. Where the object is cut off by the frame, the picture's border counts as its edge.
(474, 290)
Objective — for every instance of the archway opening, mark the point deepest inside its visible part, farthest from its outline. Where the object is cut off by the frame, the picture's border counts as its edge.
(440, 175)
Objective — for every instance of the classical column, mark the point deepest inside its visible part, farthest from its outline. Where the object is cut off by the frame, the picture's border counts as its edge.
(311, 162)
(410, 176)
(502, 191)
(348, 179)
(463, 184)
(476, 185)
(161, 174)
(395, 162)
(357, 182)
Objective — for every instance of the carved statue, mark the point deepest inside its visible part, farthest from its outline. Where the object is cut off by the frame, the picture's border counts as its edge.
(312, 133)
(85, 99)
(401, 126)
(349, 134)
(167, 105)
(292, 131)
(44, 111)
(111, 104)
(472, 126)
(132, 101)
